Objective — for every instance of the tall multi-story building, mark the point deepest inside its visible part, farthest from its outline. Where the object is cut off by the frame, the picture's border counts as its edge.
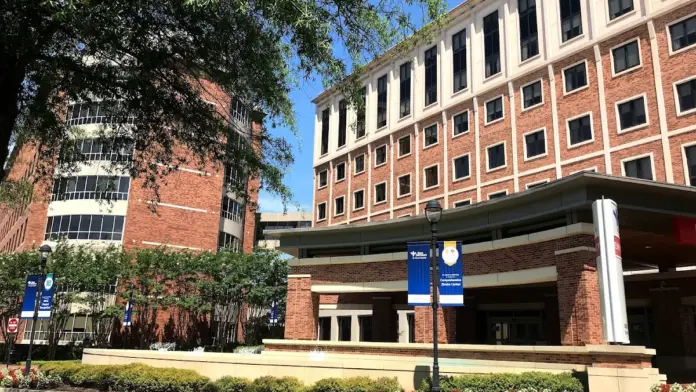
(510, 95)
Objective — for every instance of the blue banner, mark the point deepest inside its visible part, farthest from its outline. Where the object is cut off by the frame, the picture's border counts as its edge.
(274, 312)
(418, 273)
(128, 314)
(46, 300)
(451, 274)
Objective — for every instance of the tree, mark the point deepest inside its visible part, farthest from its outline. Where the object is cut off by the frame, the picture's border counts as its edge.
(161, 60)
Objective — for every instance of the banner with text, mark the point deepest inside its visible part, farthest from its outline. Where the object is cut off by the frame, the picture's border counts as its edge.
(451, 274)
(128, 313)
(418, 273)
(46, 300)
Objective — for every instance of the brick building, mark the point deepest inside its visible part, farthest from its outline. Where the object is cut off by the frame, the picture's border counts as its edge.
(495, 118)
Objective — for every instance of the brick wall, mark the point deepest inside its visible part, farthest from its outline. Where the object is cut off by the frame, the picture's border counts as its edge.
(302, 309)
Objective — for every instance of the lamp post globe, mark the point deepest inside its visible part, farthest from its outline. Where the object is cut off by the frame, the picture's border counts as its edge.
(433, 211)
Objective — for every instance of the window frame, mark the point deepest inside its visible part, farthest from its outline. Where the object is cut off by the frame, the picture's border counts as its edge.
(635, 127)
(594, 169)
(669, 35)
(527, 158)
(677, 104)
(345, 174)
(536, 105)
(355, 166)
(384, 77)
(465, 49)
(470, 200)
(534, 183)
(636, 157)
(410, 147)
(519, 22)
(488, 169)
(488, 196)
(615, 74)
(398, 185)
(454, 171)
(569, 119)
(342, 128)
(483, 45)
(485, 110)
(386, 156)
(362, 114)
(410, 89)
(336, 204)
(620, 17)
(319, 179)
(325, 212)
(587, 78)
(386, 193)
(425, 180)
(583, 13)
(425, 76)
(328, 132)
(437, 133)
(683, 148)
(363, 202)
(467, 121)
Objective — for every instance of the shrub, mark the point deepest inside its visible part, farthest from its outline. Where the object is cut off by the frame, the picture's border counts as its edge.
(15, 378)
(674, 388)
(228, 384)
(357, 384)
(274, 384)
(532, 381)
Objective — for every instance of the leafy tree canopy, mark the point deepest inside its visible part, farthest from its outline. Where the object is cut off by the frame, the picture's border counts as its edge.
(154, 56)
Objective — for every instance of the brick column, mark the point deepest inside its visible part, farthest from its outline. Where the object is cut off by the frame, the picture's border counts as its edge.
(578, 297)
(384, 327)
(446, 324)
(302, 311)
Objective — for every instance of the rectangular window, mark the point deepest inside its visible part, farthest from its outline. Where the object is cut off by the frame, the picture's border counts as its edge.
(341, 171)
(430, 135)
(360, 121)
(325, 131)
(491, 43)
(404, 185)
(344, 328)
(342, 122)
(626, 57)
(405, 89)
(83, 227)
(686, 95)
(537, 184)
(462, 203)
(531, 94)
(459, 60)
(494, 109)
(690, 153)
(360, 164)
(323, 178)
(339, 206)
(380, 156)
(404, 146)
(324, 326)
(321, 211)
(571, 19)
(431, 76)
(365, 324)
(631, 114)
(683, 34)
(497, 195)
(431, 177)
(358, 199)
(575, 77)
(496, 156)
(382, 101)
(580, 130)
(529, 42)
(380, 193)
(639, 168)
(461, 123)
(535, 144)
(461, 167)
(619, 7)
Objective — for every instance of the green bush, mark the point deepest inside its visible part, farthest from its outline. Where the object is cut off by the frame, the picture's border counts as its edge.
(228, 384)
(275, 384)
(534, 381)
(356, 384)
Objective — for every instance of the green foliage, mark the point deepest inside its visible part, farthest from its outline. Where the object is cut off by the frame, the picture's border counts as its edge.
(231, 384)
(357, 384)
(276, 384)
(564, 382)
(15, 194)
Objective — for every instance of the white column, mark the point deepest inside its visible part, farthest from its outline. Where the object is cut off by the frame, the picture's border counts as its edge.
(603, 109)
(554, 117)
(513, 125)
(334, 328)
(659, 93)
(445, 159)
(416, 146)
(354, 328)
(477, 139)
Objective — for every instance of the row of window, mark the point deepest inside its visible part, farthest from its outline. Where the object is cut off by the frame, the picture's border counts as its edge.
(231, 209)
(624, 58)
(90, 187)
(104, 112)
(97, 149)
(227, 241)
(84, 227)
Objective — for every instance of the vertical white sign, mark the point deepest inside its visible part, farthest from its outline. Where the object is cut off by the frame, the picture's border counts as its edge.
(611, 283)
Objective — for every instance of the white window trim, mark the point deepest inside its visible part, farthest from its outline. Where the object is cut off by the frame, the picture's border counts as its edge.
(363, 205)
(319, 179)
(627, 70)
(437, 133)
(544, 181)
(587, 78)
(397, 69)
(524, 145)
(325, 212)
(438, 59)
(594, 168)
(454, 205)
(386, 194)
(488, 161)
(455, 179)
(467, 121)
(336, 180)
(501, 26)
(426, 188)
(404, 215)
(386, 122)
(639, 126)
(634, 157)
(669, 35)
(568, 120)
(386, 158)
(622, 17)
(677, 106)
(485, 110)
(488, 196)
(398, 147)
(344, 205)
(355, 167)
(398, 185)
(686, 166)
(522, 108)
(583, 16)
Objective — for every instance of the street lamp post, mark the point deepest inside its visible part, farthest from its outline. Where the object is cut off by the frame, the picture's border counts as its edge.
(433, 212)
(45, 250)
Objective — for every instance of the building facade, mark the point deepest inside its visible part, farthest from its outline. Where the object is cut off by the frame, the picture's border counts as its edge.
(279, 221)
(510, 95)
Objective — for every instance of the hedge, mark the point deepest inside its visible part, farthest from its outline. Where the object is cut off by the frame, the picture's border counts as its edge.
(531, 381)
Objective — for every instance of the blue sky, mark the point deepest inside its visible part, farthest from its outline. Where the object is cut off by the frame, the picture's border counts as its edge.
(299, 176)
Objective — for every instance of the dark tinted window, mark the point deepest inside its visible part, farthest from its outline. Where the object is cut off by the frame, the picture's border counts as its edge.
(683, 33)
(626, 57)
(360, 121)
(496, 156)
(431, 177)
(405, 185)
(405, 89)
(580, 130)
(82, 227)
(459, 60)
(380, 192)
(339, 206)
(571, 19)
(461, 167)
(461, 123)
(382, 101)
(430, 135)
(491, 43)
(686, 93)
(340, 171)
(431, 75)
(494, 109)
(90, 187)
(358, 199)
(529, 42)
(575, 77)
(360, 164)
(535, 143)
(321, 211)
(531, 94)
(324, 131)
(405, 145)
(462, 203)
(619, 7)
(691, 164)
(380, 155)
(639, 168)
(632, 113)
(342, 122)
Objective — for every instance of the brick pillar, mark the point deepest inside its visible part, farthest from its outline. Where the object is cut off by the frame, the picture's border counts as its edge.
(578, 298)
(302, 310)
(446, 324)
(384, 327)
